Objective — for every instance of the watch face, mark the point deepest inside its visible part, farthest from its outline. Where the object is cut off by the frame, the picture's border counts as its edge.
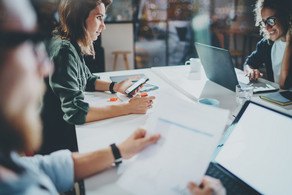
(118, 161)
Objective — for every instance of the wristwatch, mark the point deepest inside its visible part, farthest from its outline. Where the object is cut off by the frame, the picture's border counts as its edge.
(117, 154)
(111, 87)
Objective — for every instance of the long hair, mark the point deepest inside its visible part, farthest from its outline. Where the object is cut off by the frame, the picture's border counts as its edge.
(283, 9)
(73, 14)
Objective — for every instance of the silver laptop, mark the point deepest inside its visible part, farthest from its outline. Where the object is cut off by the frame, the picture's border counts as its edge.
(219, 68)
(255, 155)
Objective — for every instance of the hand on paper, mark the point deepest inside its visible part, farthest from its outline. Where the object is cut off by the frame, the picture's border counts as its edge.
(123, 85)
(210, 186)
(140, 105)
(136, 143)
(252, 73)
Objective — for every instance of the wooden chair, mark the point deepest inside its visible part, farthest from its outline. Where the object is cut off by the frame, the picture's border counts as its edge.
(124, 53)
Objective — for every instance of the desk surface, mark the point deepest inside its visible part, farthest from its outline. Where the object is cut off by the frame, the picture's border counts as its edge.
(100, 134)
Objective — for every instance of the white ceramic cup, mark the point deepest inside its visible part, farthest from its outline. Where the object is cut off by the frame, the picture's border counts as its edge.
(195, 64)
(243, 93)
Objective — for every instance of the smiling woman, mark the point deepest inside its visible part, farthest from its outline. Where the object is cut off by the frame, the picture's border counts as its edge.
(274, 51)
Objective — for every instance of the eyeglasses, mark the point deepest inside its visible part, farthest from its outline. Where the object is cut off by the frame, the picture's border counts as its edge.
(13, 39)
(271, 21)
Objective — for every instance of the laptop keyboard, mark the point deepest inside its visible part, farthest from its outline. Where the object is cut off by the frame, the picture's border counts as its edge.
(230, 182)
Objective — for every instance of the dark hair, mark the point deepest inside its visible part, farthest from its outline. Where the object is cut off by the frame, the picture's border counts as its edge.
(73, 14)
(283, 9)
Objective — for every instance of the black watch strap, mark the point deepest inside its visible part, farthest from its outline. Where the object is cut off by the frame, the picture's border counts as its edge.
(111, 87)
(117, 154)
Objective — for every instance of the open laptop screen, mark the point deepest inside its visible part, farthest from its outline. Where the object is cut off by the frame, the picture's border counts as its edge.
(259, 150)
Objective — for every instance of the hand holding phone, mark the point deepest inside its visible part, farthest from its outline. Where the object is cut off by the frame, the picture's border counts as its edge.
(136, 85)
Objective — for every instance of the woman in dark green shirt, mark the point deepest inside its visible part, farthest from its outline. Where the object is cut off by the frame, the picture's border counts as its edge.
(81, 24)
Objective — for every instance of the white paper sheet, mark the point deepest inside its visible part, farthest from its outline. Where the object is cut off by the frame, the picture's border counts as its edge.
(188, 139)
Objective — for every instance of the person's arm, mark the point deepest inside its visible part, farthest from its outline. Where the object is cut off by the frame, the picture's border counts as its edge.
(118, 87)
(58, 166)
(91, 163)
(210, 186)
(66, 82)
(137, 105)
(252, 73)
(286, 64)
(255, 60)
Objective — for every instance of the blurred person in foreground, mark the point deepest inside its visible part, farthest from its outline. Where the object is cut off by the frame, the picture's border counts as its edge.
(23, 65)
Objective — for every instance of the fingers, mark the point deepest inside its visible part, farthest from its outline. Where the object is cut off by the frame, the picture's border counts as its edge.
(133, 78)
(144, 99)
(209, 185)
(214, 185)
(140, 105)
(151, 139)
(194, 188)
(139, 133)
(192, 185)
(150, 97)
(255, 74)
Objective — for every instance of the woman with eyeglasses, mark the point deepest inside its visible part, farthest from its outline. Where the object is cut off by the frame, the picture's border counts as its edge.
(274, 51)
(81, 23)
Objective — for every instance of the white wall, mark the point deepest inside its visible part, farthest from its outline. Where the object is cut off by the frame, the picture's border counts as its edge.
(118, 37)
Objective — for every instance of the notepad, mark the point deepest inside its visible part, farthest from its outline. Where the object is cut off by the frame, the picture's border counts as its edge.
(282, 98)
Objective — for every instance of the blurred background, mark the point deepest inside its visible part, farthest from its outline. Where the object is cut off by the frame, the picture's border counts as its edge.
(163, 32)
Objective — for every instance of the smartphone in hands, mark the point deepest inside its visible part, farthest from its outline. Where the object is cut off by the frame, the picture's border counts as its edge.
(136, 85)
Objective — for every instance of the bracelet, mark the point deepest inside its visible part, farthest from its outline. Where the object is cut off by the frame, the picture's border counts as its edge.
(111, 87)
(117, 154)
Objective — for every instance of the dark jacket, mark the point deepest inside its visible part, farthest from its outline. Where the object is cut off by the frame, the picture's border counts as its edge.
(64, 105)
(261, 57)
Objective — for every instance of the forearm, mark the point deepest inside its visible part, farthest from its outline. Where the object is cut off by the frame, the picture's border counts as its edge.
(91, 163)
(286, 65)
(104, 112)
(102, 85)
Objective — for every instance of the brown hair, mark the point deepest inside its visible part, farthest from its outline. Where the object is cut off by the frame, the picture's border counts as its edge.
(283, 9)
(73, 14)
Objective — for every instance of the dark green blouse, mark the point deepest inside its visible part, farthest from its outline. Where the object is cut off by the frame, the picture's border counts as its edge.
(70, 79)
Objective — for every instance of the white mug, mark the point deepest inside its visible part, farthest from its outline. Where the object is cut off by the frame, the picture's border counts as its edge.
(195, 64)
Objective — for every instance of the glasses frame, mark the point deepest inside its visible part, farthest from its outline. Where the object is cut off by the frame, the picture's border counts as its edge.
(13, 39)
(10, 40)
(268, 22)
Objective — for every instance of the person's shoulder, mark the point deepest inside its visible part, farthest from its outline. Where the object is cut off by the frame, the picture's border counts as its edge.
(59, 47)
(58, 43)
(265, 43)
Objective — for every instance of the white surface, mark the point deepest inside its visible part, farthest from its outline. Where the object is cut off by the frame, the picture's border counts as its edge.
(258, 151)
(100, 134)
(157, 169)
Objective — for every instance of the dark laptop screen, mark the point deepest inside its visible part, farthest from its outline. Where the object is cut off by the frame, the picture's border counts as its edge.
(258, 151)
